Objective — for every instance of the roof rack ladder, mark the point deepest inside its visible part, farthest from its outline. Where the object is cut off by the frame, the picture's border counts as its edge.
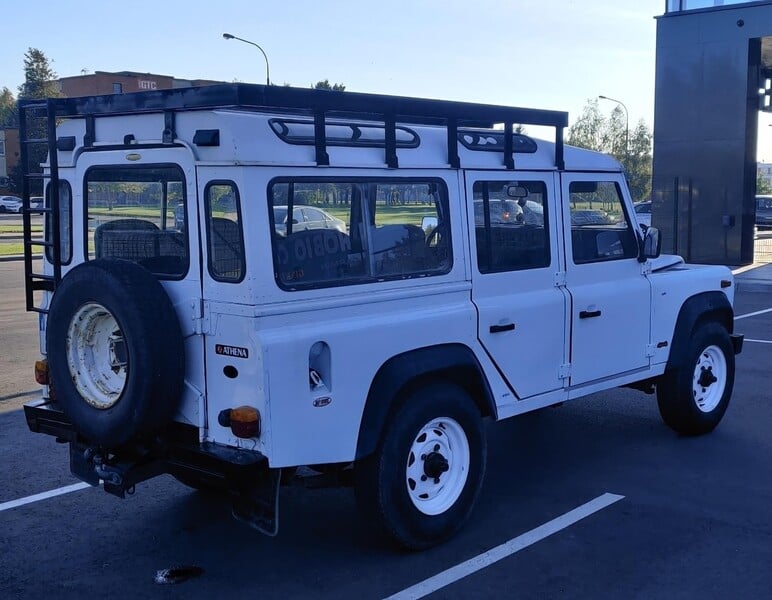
(31, 138)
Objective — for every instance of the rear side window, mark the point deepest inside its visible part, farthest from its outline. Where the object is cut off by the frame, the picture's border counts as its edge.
(65, 222)
(138, 214)
(335, 232)
(225, 241)
(510, 225)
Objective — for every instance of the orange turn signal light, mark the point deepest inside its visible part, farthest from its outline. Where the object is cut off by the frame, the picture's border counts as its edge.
(245, 422)
(41, 372)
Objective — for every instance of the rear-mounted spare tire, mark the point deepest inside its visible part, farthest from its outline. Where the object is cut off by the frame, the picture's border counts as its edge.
(115, 352)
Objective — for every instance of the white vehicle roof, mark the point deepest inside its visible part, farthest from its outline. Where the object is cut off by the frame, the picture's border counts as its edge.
(251, 124)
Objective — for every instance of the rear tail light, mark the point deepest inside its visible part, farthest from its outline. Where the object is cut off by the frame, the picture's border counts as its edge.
(244, 421)
(41, 372)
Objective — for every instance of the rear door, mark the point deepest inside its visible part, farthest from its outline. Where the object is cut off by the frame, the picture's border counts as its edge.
(141, 206)
(516, 258)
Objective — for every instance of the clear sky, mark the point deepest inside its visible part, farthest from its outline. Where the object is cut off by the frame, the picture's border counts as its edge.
(553, 54)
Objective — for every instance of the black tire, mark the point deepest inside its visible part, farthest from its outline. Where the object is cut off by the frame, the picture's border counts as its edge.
(381, 479)
(151, 348)
(679, 396)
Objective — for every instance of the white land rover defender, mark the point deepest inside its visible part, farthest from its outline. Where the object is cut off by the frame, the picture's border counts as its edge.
(241, 279)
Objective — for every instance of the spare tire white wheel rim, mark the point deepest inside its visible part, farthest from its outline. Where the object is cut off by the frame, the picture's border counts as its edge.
(437, 466)
(709, 379)
(97, 355)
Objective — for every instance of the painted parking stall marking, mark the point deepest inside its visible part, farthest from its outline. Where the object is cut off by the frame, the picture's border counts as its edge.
(753, 314)
(43, 496)
(486, 559)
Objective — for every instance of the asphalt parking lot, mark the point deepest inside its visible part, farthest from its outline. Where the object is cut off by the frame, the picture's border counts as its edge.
(689, 517)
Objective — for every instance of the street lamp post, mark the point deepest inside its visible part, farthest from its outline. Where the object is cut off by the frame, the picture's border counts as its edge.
(627, 126)
(229, 36)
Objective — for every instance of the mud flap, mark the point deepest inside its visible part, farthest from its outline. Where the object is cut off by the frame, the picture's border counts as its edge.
(258, 506)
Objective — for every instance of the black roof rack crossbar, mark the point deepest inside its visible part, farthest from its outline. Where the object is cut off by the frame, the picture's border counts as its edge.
(321, 104)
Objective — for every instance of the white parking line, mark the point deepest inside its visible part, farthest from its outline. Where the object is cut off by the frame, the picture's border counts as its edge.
(445, 578)
(43, 496)
(759, 341)
(753, 314)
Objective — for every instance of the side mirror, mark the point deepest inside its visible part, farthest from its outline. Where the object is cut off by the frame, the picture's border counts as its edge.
(652, 243)
(428, 223)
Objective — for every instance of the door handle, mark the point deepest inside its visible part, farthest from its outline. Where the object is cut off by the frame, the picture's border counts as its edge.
(501, 328)
(589, 314)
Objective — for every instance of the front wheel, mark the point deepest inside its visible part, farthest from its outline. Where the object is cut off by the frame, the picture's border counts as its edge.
(421, 483)
(693, 398)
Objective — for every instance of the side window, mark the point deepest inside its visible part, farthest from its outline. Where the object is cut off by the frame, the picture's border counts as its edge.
(510, 225)
(225, 240)
(600, 230)
(358, 231)
(65, 222)
(138, 214)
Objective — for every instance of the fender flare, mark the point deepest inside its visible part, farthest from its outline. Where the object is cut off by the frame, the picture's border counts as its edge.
(450, 362)
(701, 308)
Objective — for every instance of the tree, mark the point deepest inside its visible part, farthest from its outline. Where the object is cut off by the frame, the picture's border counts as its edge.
(594, 131)
(9, 117)
(39, 76)
(763, 186)
(325, 85)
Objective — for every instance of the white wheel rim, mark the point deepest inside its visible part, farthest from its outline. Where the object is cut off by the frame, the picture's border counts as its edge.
(437, 466)
(97, 355)
(709, 381)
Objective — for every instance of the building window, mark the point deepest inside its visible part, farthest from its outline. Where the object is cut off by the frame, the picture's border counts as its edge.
(2, 147)
(117, 88)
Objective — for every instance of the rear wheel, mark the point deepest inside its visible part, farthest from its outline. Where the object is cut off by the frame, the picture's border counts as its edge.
(423, 480)
(693, 398)
(115, 352)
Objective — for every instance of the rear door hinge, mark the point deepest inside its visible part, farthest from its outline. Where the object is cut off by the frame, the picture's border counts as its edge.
(560, 279)
(201, 317)
(565, 371)
(650, 349)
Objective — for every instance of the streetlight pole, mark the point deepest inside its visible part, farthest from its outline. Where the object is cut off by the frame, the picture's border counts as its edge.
(627, 126)
(229, 36)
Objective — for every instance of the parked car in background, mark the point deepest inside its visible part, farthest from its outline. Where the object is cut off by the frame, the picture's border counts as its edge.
(764, 212)
(305, 217)
(36, 203)
(10, 204)
(643, 213)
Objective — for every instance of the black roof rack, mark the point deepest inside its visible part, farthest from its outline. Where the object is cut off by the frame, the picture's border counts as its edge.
(323, 104)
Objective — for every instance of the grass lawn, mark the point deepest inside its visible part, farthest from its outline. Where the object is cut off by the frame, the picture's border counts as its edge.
(18, 229)
(389, 215)
(11, 248)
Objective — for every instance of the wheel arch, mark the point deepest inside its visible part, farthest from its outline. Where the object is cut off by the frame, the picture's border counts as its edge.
(696, 310)
(404, 372)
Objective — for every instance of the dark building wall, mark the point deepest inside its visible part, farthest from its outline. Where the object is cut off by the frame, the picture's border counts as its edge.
(705, 122)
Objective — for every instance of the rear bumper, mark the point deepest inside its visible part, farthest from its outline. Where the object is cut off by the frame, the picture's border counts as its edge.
(176, 450)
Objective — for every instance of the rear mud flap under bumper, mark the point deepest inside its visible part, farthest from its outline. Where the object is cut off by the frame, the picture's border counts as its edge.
(253, 486)
(737, 342)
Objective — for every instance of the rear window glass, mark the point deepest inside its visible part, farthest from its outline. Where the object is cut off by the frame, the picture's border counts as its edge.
(138, 214)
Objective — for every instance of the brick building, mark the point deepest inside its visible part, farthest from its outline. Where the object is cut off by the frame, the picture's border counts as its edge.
(122, 82)
(9, 156)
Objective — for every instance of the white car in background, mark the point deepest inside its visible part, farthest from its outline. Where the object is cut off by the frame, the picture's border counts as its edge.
(10, 204)
(643, 213)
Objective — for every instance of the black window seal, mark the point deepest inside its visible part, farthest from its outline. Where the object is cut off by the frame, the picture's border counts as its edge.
(145, 166)
(208, 217)
(444, 205)
(46, 202)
